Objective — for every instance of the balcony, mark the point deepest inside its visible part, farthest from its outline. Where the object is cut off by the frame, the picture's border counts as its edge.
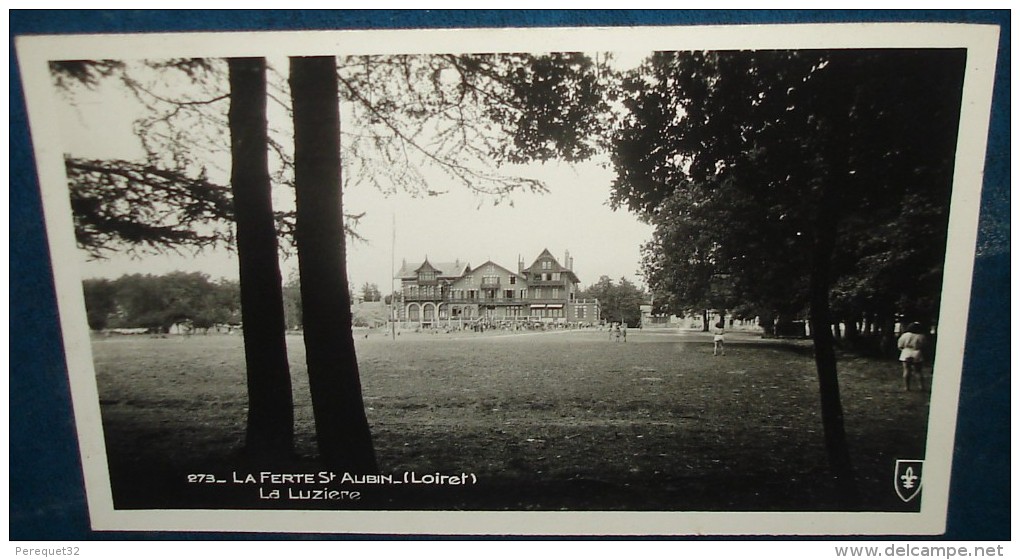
(480, 299)
(551, 283)
(488, 301)
(419, 297)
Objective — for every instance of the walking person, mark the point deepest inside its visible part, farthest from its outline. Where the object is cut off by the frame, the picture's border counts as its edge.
(719, 339)
(912, 344)
(623, 331)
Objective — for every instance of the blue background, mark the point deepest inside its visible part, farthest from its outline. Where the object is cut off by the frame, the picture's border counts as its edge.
(47, 500)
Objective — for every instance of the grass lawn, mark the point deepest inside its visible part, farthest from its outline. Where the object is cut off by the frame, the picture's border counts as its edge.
(545, 421)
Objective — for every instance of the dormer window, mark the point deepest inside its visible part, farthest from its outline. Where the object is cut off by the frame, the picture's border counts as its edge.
(426, 276)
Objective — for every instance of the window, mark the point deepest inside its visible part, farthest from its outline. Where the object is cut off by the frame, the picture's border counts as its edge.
(513, 280)
(555, 293)
(579, 311)
(546, 265)
(509, 294)
(555, 276)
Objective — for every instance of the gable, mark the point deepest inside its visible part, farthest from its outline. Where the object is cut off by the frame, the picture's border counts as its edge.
(539, 265)
(446, 270)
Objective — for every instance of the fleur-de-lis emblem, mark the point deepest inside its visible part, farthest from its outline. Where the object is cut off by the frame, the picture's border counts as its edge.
(908, 478)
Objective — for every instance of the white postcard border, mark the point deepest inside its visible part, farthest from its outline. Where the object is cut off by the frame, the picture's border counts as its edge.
(981, 41)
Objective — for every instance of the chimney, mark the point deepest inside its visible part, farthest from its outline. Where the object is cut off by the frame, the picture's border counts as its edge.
(566, 260)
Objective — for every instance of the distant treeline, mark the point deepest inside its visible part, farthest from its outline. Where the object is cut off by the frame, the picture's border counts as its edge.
(157, 303)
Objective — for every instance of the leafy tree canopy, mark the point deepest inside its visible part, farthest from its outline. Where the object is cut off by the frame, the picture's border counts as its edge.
(159, 302)
(743, 159)
(619, 302)
(408, 120)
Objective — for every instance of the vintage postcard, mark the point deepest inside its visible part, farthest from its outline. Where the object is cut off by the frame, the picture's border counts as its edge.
(628, 281)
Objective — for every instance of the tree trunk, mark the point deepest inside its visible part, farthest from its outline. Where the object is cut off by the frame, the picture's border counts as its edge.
(342, 430)
(270, 432)
(887, 332)
(853, 328)
(704, 320)
(825, 355)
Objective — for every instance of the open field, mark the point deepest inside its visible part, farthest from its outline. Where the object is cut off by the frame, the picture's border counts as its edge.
(548, 420)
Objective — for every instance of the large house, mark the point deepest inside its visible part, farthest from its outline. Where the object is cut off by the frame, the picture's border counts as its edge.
(454, 293)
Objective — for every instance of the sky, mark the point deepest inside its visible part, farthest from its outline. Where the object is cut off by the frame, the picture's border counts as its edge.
(573, 215)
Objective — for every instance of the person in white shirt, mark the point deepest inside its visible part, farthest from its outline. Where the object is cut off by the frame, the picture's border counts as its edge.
(912, 344)
(719, 339)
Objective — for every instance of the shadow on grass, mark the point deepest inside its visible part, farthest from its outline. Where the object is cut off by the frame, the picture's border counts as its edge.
(558, 423)
(793, 346)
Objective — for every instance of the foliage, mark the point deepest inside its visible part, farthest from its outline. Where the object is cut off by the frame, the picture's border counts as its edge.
(405, 116)
(449, 123)
(783, 169)
(88, 73)
(370, 292)
(409, 117)
(292, 301)
(100, 302)
(123, 205)
(619, 302)
(159, 302)
(176, 196)
(742, 159)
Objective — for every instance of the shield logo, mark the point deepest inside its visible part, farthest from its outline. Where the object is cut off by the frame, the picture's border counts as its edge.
(908, 478)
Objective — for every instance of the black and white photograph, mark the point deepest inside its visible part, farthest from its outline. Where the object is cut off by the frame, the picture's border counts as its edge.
(627, 281)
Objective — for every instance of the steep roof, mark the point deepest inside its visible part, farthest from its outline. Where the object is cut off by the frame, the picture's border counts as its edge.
(499, 266)
(555, 267)
(454, 269)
